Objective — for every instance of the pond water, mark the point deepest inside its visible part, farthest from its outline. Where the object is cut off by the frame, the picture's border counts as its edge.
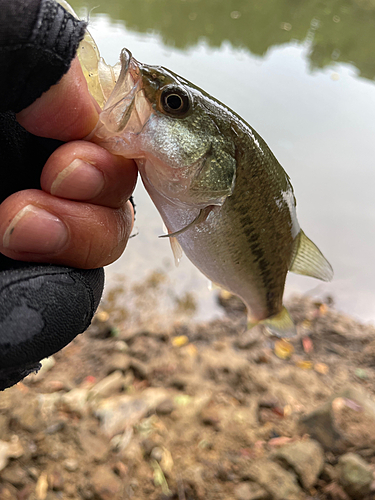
(302, 74)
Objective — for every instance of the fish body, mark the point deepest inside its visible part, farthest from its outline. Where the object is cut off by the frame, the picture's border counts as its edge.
(220, 191)
(246, 244)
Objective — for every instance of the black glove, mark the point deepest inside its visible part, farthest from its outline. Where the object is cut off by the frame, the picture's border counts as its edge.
(42, 307)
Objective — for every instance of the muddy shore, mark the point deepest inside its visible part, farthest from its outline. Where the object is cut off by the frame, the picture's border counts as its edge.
(133, 410)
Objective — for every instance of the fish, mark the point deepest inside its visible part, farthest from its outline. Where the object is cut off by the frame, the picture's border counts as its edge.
(224, 198)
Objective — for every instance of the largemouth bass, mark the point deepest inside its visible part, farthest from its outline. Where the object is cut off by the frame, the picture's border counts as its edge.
(222, 194)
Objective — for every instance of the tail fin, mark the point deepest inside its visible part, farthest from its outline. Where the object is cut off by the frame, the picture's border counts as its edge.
(280, 325)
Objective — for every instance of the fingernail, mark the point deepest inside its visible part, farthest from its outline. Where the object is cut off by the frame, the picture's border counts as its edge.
(34, 230)
(79, 181)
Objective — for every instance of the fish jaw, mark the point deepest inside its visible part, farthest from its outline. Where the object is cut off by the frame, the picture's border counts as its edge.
(134, 124)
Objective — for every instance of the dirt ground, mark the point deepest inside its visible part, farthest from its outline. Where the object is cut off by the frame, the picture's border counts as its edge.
(135, 410)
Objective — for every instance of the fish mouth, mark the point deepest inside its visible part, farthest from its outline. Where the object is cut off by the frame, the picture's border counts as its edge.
(127, 110)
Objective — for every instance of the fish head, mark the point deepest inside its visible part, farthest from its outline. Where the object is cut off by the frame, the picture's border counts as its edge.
(184, 146)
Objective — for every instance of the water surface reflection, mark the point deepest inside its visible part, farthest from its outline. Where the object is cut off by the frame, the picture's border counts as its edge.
(336, 30)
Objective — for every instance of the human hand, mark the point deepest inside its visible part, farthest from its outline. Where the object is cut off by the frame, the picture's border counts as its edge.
(82, 216)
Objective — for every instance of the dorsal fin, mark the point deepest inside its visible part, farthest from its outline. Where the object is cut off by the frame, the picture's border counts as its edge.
(308, 259)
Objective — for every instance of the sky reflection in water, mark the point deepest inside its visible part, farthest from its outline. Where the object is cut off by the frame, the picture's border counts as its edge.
(301, 73)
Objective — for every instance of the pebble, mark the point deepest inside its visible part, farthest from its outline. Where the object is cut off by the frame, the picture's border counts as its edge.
(157, 453)
(16, 475)
(210, 416)
(118, 361)
(320, 425)
(70, 464)
(41, 487)
(8, 492)
(107, 485)
(355, 475)
(75, 401)
(4, 421)
(27, 414)
(52, 496)
(250, 491)
(121, 412)
(121, 346)
(95, 447)
(278, 482)
(10, 449)
(100, 330)
(328, 424)
(249, 339)
(56, 480)
(306, 457)
(110, 385)
(33, 473)
(24, 493)
(70, 490)
(165, 407)
(55, 427)
(139, 368)
(132, 453)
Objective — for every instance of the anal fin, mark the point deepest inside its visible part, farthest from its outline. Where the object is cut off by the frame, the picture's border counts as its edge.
(309, 260)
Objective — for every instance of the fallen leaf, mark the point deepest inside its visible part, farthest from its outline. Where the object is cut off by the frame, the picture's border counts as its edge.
(283, 349)
(280, 441)
(180, 341)
(102, 316)
(307, 344)
(41, 487)
(323, 309)
(360, 373)
(304, 364)
(321, 368)
(191, 350)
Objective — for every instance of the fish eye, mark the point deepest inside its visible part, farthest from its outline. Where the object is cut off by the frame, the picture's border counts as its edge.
(175, 101)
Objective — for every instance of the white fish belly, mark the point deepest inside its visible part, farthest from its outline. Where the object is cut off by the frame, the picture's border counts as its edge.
(216, 252)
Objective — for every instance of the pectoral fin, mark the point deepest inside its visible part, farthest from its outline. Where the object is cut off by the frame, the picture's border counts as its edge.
(308, 259)
(214, 179)
(201, 217)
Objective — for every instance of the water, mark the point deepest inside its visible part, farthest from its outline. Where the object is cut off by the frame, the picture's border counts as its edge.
(302, 74)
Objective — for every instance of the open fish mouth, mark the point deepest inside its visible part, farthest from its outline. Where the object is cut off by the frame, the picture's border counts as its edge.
(127, 109)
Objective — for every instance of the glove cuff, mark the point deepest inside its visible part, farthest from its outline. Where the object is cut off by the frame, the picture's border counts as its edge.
(42, 309)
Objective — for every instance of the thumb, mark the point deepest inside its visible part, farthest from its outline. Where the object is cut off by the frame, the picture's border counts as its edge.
(65, 112)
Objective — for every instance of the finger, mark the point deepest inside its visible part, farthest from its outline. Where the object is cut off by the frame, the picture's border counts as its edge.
(84, 171)
(38, 227)
(65, 112)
